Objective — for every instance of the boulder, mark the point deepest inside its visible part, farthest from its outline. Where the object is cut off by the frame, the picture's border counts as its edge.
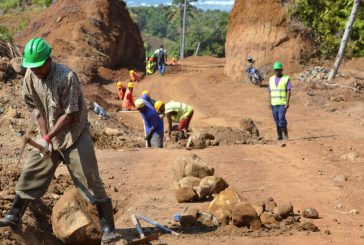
(309, 226)
(207, 219)
(75, 221)
(210, 185)
(188, 181)
(248, 125)
(259, 208)
(190, 165)
(310, 213)
(186, 194)
(223, 204)
(269, 204)
(284, 209)
(268, 218)
(189, 218)
(243, 214)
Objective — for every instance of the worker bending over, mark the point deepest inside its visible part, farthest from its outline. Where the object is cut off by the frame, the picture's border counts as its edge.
(146, 96)
(175, 112)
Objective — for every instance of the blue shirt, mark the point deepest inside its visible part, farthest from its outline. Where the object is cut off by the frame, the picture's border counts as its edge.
(151, 119)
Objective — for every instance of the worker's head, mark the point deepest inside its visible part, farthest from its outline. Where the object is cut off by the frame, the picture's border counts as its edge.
(131, 72)
(278, 68)
(250, 59)
(146, 92)
(174, 59)
(161, 46)
(119, 84)
(130, 86)
(159, 107)
(37, 58)
(140, 105)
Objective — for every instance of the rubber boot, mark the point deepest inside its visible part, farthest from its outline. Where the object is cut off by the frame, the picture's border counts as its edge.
(285, 133)
(106, 217)
(279, 133)
(15, 214)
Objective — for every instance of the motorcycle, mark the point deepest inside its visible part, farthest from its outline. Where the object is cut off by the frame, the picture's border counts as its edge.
(254, 75)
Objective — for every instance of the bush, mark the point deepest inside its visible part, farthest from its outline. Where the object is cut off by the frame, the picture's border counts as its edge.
(327, 20)
(43, 3)
(9, 4)
(5, 34)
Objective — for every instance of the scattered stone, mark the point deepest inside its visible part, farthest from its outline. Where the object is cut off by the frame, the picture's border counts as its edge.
(268, 218)
(351, 156)
(259, 208)
(188, 182)
(75, 221)
(284, 209)
(248, 125)
(327, 232)
(112, 131)
(185, 194)
(243, 214)
(289, 220)
(270, 204)
(210, 185)
(310, 213)
(339, 180)
(309, 226)
(189, 217)
(354, 211)
(190, 165)
(207, 219)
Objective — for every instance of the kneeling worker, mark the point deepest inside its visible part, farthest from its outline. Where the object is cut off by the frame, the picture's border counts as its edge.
(176, 112)
(154, 126)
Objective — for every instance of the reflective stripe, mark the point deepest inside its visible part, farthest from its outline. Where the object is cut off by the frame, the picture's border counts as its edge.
(278, 93)
(183, 110)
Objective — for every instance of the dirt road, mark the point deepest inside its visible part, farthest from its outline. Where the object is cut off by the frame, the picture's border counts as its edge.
(301, 173)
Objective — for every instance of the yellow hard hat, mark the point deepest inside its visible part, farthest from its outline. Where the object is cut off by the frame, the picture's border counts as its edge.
(146, 92)
(139, 103)
(130, 85)
(158, 104)
(119, 84)
(131, 71)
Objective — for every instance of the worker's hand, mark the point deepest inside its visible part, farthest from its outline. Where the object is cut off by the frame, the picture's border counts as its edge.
(287, 106)
(45, 146)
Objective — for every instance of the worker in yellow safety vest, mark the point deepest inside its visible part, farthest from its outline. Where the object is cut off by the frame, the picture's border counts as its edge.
(175, 112)
(279, 95)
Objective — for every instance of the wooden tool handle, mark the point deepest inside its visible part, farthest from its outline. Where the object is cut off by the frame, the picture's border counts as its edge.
(137, 226)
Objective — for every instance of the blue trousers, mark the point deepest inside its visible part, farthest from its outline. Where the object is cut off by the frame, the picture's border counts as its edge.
(162, 68)
(156, 141)
(279, 115)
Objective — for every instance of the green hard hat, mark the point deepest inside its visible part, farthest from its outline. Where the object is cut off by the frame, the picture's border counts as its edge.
(277, 65)
(36, 52)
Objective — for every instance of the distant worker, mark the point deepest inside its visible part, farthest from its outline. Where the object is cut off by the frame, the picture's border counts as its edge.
(121, 89)
(279, 96)
(161, 55)
(154, 125)
(174, 61)
(175, 112)
(150, 68)
(128, 101)
(146, 96)
(134, 76)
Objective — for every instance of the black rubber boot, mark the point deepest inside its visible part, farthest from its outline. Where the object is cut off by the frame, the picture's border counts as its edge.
(279, 133)
(285, 132)
(106, 216)
(15, 214)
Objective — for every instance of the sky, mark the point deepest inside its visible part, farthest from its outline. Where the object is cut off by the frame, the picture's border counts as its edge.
(225, 5)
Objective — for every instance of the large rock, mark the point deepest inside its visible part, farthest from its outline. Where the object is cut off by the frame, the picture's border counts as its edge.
(210, 185)
(190, 165)
(270, 204)
(186, 194)
(199, 140)
(189, 218)
(268, 218)
(189, 181)
(265, 39)
(243, 214)
(248, 125)
(86, 35)
(284, 209)
(75, 221)
(310, 213)
(223, 204)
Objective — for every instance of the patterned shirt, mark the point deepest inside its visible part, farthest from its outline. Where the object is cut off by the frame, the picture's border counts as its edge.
(60, 93)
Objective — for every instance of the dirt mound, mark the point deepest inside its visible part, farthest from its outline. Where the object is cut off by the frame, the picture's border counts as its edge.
(86, 35)
(260, 29)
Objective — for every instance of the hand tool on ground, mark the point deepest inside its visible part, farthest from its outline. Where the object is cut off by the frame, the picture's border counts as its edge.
(27, 139)
(159, 226)
(143, 239)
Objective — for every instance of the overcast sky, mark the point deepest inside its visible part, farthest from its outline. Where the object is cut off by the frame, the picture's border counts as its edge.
(203, 4)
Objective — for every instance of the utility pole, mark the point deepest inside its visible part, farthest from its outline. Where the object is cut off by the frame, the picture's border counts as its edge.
(183, 30)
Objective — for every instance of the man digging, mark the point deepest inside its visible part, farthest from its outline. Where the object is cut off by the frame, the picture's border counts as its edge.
(54, 90)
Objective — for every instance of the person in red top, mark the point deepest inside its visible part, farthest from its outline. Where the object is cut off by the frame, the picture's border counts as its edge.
(120, 90)
(134, 76)
(128, 101)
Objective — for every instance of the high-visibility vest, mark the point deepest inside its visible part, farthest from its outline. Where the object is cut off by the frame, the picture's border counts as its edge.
(183, 110)
(128, 101)
(278, 94)
(121, 93)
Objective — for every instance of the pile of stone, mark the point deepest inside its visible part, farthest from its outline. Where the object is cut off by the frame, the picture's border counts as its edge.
(194, 179)
(315, 74)
(10, 64)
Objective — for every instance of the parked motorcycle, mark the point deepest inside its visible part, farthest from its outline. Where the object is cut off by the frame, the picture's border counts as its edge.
(254, 75)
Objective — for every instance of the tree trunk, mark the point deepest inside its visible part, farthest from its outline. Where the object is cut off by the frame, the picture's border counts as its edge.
(183, 30)
(344, 40)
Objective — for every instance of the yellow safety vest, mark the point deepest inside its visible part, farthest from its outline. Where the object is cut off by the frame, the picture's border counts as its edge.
(183, 110)
(278, 94)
